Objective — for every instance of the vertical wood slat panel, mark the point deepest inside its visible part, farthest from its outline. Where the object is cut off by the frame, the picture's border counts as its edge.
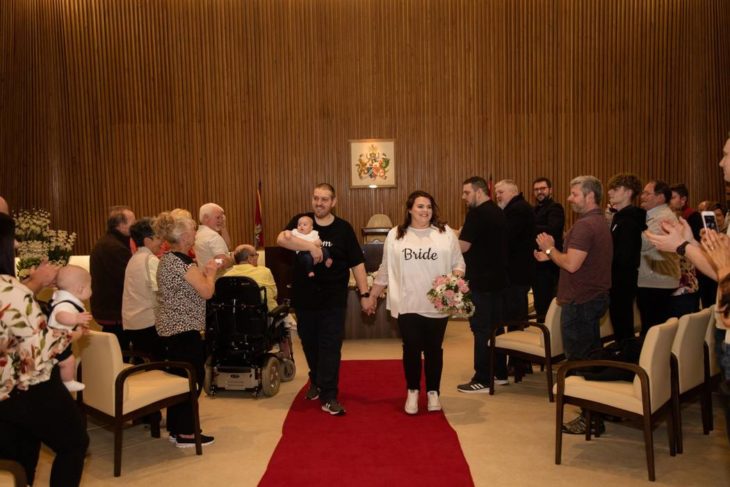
(175, 103)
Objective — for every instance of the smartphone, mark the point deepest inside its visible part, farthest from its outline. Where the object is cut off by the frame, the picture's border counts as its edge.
(708, 220)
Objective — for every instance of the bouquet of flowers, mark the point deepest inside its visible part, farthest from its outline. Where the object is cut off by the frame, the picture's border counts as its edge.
(451, 295)
(37, 242)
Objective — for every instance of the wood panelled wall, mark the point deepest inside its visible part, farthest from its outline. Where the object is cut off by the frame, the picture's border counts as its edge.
(172, 103)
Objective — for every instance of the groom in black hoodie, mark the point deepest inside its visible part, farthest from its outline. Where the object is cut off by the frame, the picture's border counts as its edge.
(626, 227)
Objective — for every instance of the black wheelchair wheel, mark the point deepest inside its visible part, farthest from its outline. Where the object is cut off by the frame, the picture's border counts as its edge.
(288, 370)
(208, 386)
(270, 378)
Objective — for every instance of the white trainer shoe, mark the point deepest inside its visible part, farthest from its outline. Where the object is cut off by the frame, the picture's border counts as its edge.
(434, 404)
(412, 402)
(74, 386)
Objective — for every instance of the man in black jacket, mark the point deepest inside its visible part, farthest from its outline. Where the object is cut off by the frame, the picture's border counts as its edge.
(520, 244)
(626, 227)
(550, 219)
(107, 264)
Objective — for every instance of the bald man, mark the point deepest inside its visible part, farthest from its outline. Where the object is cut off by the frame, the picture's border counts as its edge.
(247, 265)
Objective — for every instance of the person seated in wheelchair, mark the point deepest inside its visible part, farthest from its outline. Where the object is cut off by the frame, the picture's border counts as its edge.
(247, 264)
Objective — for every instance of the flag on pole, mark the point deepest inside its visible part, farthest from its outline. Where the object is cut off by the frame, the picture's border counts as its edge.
(490, 187)
(258, 232)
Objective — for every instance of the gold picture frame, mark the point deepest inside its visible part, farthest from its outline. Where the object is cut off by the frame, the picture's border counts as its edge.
(372, 163)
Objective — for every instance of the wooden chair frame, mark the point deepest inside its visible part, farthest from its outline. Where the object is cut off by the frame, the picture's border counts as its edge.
(120, 418)
(648, 421)
(546, 361)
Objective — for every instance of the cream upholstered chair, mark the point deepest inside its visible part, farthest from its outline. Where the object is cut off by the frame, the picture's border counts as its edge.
(647, 399)
(688, 369)
(12, 473)
(377, 228)
(120, 392)
(540, 343)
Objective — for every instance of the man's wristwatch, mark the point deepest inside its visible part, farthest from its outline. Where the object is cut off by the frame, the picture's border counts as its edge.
(366, 294)
(682, 249)
(549, 251)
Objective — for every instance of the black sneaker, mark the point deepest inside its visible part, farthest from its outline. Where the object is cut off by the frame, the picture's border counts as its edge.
(312, 393)
(190, 442)
(473, 387)
(333, 407)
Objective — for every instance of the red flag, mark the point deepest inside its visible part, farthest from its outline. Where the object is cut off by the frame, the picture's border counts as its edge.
(258, 231)
(490, 187)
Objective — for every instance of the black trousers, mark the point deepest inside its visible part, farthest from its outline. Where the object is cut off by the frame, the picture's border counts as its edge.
(45, 413)
(544, 287)
(654, 306)
(147, 342)
(621, 307)
(321, 332)
(422, 334)
(185, 347)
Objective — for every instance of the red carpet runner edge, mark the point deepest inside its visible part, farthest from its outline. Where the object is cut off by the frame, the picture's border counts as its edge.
(375, 443)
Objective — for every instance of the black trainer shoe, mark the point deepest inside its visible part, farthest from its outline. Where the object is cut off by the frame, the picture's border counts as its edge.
(333, 407)
(312, 393)
(190, 442)
(473, 387)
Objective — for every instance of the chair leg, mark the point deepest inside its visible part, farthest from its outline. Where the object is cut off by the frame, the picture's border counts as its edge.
(589, 422)
(155, 426)
(649, 445)
(672, 433)
(549, 372)
(118, 431)
(196, 423)
(706, 405)
(677, 413)
(558, 429)
(491, 367)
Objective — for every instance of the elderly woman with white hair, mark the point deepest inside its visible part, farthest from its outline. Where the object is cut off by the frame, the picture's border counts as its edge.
(183, 289)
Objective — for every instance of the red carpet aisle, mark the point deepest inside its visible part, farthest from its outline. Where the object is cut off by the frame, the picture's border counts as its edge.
(375, 443)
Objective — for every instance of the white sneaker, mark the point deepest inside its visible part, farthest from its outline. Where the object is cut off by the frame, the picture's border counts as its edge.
(434, 404)
(501, 382)
(74, 386)
(412, 402)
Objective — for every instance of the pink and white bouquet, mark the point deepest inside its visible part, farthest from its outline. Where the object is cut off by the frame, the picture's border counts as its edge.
(451, 295)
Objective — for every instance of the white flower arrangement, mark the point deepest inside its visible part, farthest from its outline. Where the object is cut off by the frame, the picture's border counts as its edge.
(37, 242)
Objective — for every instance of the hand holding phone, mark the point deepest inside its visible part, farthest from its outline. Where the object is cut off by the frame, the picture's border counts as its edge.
(708, 220)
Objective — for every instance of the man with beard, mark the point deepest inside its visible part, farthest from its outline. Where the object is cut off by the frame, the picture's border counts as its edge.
(550, 219)
(321, 301)
(483, 242)
(585, 276)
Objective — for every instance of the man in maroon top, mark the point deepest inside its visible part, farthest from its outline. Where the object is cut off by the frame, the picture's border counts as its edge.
(585, 274)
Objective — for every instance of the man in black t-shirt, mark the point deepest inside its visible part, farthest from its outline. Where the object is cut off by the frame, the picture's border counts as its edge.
(483, 241)
(321, 301)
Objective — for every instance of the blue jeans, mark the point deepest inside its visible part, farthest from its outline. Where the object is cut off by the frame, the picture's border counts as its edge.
(487, 316)
(321, 332)
(581, 327)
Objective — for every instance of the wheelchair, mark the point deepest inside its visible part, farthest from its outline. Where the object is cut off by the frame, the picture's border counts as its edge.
(248, 347)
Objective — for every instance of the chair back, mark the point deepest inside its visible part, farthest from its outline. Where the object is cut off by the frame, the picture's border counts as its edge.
(379, 220)
(710, 341)
(237, 309)
(654, 360)
(552, 323)
(689, 348)
(380, 224)
(101, 359)
(373, 254)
